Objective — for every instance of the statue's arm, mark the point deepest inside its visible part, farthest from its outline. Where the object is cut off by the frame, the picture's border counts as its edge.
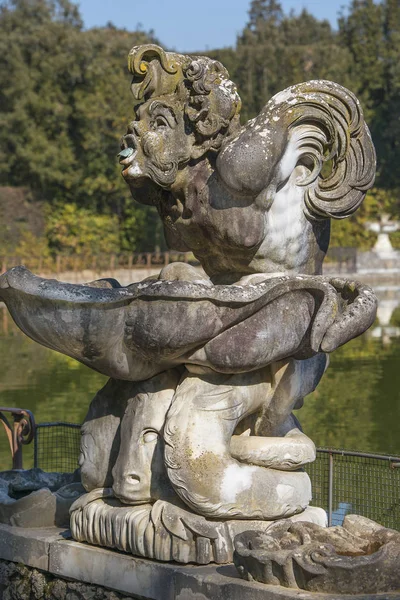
(277, 331)
(359, 306)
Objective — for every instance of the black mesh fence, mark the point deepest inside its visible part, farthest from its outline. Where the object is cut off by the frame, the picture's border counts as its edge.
(343, 482)
(57, 447)
(347, 482)
(319, 475)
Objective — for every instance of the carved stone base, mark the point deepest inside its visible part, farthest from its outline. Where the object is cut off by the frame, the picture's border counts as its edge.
(360, 557)
(163, 531)
(77, 566)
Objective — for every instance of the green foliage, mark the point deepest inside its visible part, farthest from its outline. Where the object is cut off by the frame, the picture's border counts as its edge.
(75, 230)
(64, 104)
(371, 32)
(277, 50)
(31, 246)
(141, 229)
(353, 232)
(395, 318)
(19, 217)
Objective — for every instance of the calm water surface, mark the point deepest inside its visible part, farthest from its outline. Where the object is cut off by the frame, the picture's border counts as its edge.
(356, 406)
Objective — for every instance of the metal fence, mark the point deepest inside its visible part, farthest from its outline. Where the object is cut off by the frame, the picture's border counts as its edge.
(344, 482)
(56, 446)
(342, 259)
(98, 263)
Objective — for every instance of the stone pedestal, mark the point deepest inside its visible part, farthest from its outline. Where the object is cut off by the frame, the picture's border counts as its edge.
(50, 556)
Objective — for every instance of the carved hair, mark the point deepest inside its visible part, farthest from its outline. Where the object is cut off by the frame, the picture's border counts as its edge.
(335, 136)
(211, 102)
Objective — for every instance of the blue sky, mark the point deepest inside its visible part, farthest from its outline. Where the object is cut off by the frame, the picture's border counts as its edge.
(192, 25)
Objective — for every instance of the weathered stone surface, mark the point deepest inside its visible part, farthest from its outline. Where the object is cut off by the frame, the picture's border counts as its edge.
(136, 332)
(113, 570)
(383, 247)
(164, 531)
(18, 582)
(360, 557)
(224, 191)
(18, 483)
(37, 499)
(30, 547)
(75, 568)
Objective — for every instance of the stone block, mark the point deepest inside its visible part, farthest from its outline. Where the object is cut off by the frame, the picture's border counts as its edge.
(113, 570)
(129, 576)
(28, 546)
(156, 580)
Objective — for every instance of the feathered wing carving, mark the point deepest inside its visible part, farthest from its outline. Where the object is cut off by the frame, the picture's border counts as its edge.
(318, 124)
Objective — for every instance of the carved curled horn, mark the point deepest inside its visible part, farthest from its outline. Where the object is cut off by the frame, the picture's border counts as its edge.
(140, 56)
(334, 109)
(154, 71)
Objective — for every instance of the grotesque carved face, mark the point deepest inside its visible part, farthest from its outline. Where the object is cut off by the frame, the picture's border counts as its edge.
(157, 143)
(186, 106)
(139, 473)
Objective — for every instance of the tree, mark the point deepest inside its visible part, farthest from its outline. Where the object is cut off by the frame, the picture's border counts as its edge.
(262, 11)
(64, 104)
(74, 230)
(65, 99)
(371, 32)
(276, 50)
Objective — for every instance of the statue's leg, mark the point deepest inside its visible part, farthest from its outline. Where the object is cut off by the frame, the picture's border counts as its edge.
(279, 442)
(292, 381)
(198, 431)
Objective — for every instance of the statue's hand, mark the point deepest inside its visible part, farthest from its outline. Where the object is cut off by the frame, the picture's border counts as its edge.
(359, 305)
(183, 272)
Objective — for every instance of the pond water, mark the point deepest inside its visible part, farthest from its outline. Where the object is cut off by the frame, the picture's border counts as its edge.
(356, 406)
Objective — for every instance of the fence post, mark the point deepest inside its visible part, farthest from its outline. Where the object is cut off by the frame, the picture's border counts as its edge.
(94, 264)
(330, 490)
(5, 320)
(112, 264)
(355, 266)
(35, 448)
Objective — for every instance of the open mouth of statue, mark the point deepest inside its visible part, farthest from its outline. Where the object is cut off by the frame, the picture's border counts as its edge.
(127, 157)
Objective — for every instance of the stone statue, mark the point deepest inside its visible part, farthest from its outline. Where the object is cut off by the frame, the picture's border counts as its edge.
(193, 440)
(383, 246)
